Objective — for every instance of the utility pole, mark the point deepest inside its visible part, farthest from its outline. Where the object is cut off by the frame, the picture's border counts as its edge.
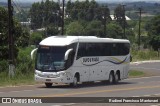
(124, 22)
(63, 16)
(10, 36)
(139, 31)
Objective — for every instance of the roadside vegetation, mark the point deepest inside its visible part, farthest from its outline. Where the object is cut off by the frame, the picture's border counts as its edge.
(24, 71)
(86, 18)
(143, 55)
(136, 73)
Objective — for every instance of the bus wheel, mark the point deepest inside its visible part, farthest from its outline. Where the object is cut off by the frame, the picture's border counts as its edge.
(75, 82)
(111, 78)
(116, 78)
(48, 85)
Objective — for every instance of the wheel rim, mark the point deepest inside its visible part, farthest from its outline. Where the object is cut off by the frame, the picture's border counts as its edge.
(110, 78)
(75, 81)
(116, 78)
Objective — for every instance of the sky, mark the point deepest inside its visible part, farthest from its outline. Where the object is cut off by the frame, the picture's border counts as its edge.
(84, 0)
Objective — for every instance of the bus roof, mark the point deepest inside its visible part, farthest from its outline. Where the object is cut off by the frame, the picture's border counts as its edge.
(66, 40)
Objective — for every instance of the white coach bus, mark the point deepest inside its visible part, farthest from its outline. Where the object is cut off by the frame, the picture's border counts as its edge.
(74, 59)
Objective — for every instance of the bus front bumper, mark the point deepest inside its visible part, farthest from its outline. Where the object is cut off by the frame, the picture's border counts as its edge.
(57, 80)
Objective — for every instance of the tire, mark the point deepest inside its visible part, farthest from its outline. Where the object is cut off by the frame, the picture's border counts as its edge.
(116, 78)
(111, 78)
(48, 85)
(75, 82)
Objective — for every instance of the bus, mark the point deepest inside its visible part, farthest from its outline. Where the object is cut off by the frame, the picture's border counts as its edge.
(77, 59)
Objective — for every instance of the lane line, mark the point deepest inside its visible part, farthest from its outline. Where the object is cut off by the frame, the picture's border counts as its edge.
(142, 78)
(20, 86)
(99, 91)
(155, 105)
(157, 94)
(148, 95)
(135, 96)
(14, 91)
(56, 105)
(146, 68)
(68, 104)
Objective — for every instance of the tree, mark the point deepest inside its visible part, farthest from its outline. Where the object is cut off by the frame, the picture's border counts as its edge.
(21, 36)
(130, 35)
(35, 38)
(119, 15)
(87, 10)
(45, 13)
(94, 28)
(154, 32)
(114, 30)
(75, 28)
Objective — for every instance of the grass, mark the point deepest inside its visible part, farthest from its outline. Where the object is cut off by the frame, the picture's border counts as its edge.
(17, 80)
(145, 55)
(136, 73)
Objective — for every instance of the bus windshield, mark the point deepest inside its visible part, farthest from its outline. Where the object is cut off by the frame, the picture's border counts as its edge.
(50, 59)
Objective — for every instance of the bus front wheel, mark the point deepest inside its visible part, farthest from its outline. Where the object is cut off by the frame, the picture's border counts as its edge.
(48, 85)
(75, 82)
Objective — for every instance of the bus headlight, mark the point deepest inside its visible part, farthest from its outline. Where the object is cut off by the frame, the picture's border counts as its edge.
(58, 75)
(63, 73)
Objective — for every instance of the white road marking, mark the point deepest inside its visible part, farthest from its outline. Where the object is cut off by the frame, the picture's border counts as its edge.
(148, 82)
(56, 105)
(20, 86)
(68, 104)
(14, 91)
(157, 94)
(155, 105)
(147, 68)
(146, 95)
(141, 62)
(28, 90)
(142, 77)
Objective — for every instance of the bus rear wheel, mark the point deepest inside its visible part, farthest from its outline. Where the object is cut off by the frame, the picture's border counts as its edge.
(48, 85)
(111, 78)
(116, 78)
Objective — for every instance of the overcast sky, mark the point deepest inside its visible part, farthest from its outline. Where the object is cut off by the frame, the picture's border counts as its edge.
(84, 0)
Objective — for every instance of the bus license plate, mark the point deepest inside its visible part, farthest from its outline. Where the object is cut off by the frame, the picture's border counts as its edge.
(48, 79)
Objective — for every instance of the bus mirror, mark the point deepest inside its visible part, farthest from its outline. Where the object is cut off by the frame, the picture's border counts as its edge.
(32, 52)
(67, 54)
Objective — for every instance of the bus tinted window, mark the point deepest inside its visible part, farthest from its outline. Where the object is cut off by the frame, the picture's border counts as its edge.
(103, 49)
(81, 50)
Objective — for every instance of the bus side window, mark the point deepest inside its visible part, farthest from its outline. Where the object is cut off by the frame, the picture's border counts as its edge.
(81, 50)
(70, 59)
(114, 49)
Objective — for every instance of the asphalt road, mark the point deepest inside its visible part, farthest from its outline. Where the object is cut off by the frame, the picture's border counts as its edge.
(133, 87)
(152, 68)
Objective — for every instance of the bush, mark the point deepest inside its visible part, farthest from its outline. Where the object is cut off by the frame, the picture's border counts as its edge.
(24, 62)
(144, 55)
(36, 37)
(3, 66)
(24, 69)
